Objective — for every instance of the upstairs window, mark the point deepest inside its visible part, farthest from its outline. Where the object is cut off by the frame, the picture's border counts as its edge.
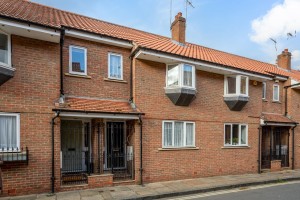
(275, 92)
(178, 134)
(115, 66)
(264, 90)
(235, 135)
(5, 58)
(236, 85)
(78, 60)
(180, 75)
(9, 132)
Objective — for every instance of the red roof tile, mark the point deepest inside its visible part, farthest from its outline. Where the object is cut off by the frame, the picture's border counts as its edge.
(44, 15)
(276, 118)
(95, 105)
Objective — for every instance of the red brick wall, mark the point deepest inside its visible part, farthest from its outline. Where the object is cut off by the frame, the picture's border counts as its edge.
(97, 70)
(269, 105)
(209, 112)
(31, 92)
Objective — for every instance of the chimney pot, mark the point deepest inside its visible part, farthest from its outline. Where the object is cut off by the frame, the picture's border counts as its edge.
(178, 28)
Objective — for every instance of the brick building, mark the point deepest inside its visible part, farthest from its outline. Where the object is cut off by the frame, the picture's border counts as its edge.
(85, 103)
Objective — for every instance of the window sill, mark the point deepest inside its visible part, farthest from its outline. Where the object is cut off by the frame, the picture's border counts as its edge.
(279, 102)
(78, 76)
(264, 100)
(115, 80)
(236, 95)
(235, 147)
(7, 66)
(178, 149)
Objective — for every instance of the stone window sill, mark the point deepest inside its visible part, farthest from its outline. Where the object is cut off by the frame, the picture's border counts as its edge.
(178, 149)
(78, 76)
(235, 147)
(276, 102)
(115, 80)
(264, 100)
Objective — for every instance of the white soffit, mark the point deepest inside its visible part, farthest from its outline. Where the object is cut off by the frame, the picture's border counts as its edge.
(295, 82)
(97, 115)
(169, 59)
(29, 30)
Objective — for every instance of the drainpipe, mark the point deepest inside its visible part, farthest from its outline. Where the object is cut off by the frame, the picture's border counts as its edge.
(141, 149)
(259, 150)
(293, 147)
(53, 167)
(62, 40)
(131, 73)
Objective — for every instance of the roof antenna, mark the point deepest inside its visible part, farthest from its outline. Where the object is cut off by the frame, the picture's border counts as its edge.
(187, 3)
(291, 35)
(275, 43)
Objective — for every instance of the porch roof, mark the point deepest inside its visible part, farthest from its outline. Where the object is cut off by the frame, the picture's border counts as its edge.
(276, 118)
(85, 105)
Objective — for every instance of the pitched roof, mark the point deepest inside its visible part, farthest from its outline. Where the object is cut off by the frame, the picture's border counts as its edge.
(52, 17)
(276, 118)
(97, 105)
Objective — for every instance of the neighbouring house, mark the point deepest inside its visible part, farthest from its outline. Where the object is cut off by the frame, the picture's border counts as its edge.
(86, 103)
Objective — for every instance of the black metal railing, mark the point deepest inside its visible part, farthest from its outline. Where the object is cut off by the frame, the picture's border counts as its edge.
(269, 155)
(14, 155)
(121, 166)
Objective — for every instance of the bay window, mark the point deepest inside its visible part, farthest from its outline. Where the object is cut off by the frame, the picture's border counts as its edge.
(5, 58)
(236, 85)
(180, 75)
(235, 135)
(178, 134)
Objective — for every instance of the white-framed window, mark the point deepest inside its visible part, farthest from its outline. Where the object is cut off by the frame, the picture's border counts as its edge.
(235, 134)
(177, 134)
(115, 66)
(180, 75)
(276, 90)
(9, 132)
(78, 60)
(264, 90)
(236, 85)
(5, 49)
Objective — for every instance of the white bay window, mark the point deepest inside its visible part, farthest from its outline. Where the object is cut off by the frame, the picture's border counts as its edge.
(180, 75)
(236, 85)
(5, 57)
(178, 134)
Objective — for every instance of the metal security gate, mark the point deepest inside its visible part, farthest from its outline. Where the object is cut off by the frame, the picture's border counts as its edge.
(75, 143)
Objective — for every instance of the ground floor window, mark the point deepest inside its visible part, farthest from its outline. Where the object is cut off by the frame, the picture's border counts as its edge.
(235, 134)
(178, 134)
(9, 132)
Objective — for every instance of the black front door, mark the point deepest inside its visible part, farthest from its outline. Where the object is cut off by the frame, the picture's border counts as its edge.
(115, 143)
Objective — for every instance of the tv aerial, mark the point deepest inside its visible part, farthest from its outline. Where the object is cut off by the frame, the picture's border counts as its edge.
(275, 43)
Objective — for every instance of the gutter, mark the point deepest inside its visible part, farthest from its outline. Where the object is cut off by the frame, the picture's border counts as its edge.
(53, 158)
(86, 112)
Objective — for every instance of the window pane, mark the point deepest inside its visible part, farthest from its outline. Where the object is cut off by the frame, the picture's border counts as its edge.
(188, 75)
(235, 134)
(243, 85)
(276, 93)
(115, 68)
(3, 48)
(189, 134)
(78, 60)
(243, 134)
(231, 87)
(178, 134)
(173, 75)
(264, 90)
(167, 134)
(8, 132)
(227, 134)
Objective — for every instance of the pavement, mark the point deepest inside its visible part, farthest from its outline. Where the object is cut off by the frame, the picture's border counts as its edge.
(169, 188)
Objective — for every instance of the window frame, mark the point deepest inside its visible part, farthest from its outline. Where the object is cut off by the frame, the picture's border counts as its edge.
(70, 60)
(240, 132)
(7, 65)
(278, 93)
(108, 72)
(181, 76)
(17, 115)
(184, 134)
(237, 87)
(264, 95)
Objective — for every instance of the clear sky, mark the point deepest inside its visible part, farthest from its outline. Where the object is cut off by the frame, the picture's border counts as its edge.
(242, 27)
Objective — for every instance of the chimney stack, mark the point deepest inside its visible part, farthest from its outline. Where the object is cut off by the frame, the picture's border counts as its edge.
(178, 28)
(284, 60)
